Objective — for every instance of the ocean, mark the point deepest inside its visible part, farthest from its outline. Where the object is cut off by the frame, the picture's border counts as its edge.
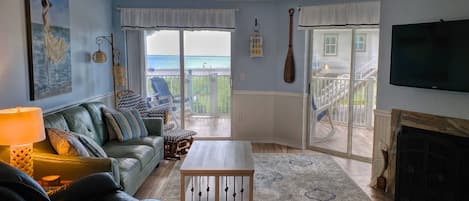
(191, 62)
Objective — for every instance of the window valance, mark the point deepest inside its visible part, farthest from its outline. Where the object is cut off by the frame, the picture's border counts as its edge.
(356, 13)
(187, 19)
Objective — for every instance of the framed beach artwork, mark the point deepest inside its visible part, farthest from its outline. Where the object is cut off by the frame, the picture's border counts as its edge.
(48, 37)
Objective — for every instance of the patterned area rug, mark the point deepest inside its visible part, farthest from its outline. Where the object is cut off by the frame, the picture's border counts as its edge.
(292, 177)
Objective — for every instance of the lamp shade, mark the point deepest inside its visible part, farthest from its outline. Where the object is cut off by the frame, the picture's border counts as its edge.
(21, 125)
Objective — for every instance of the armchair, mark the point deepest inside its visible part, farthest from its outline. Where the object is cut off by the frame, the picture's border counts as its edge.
(15, 185)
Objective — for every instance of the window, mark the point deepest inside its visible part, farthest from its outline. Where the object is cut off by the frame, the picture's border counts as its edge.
(360, 42)
(330, 44)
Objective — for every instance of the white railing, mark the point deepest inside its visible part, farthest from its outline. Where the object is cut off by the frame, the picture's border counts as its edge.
(334, 94)
(208, 90)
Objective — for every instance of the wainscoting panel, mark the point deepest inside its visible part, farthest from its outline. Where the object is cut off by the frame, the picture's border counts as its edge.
(289, 126)
(268, 117)
(382, 131)
(253, 116)
(107, 99)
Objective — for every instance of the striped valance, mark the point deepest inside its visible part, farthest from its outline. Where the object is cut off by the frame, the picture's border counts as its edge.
(343, 14)
(186, 19)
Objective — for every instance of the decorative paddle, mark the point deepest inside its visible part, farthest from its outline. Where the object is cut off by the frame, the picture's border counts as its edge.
(289, 72)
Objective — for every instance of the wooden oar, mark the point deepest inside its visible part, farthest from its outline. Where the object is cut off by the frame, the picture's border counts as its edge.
(289, 72)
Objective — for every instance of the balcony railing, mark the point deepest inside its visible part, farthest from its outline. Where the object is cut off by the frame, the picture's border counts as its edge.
(208, 90)
(334, 93)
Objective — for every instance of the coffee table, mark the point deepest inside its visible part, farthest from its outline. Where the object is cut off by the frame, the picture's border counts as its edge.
(222, 161)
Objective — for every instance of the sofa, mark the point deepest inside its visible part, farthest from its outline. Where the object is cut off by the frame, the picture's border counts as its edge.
(15, 185)
(129, 162)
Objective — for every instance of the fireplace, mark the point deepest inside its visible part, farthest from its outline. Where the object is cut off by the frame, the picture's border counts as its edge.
(431, 166)
(428, 157)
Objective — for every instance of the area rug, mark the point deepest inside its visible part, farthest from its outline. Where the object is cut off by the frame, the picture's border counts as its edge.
(290, 177)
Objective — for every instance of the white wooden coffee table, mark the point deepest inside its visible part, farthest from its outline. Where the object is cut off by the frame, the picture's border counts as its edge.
(226, 164)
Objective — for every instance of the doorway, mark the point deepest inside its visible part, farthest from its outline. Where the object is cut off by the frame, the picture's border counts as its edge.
(343, 67)
(196, 67)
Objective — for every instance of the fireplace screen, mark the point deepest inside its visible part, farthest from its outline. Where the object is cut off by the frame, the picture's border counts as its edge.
(431, 166)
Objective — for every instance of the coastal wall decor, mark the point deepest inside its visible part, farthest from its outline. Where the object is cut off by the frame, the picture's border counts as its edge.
(48, 37)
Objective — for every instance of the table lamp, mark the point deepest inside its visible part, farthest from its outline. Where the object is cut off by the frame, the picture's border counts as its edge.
(20, 127)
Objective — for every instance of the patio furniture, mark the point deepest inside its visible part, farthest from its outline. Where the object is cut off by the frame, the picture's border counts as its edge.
(164, 96)
(318, 113)
(176, 140)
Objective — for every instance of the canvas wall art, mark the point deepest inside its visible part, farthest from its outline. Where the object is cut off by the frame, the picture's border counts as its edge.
(48, 30)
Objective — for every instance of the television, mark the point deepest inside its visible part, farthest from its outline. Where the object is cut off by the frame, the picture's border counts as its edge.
(431, 55)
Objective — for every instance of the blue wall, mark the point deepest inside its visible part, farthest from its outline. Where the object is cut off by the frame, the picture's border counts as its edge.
(262, 74)
(88, 19)
(446, 103)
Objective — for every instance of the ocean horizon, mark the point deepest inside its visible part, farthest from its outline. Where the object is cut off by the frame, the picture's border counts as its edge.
(191, 62)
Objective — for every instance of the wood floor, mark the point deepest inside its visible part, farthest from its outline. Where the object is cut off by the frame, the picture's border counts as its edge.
(209, 126)
(359, 171)
(362, 139)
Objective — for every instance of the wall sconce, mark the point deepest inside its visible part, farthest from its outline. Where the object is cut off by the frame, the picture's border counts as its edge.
(118, 71)
(256, 42)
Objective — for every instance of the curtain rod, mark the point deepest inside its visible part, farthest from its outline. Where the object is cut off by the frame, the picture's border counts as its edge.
(236, 9)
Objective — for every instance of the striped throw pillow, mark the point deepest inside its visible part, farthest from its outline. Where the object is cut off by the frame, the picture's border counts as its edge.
(126, 124)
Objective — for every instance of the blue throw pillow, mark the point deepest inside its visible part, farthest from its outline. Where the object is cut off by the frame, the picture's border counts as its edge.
(126, 124)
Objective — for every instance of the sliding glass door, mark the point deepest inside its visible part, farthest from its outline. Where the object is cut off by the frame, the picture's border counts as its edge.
(342, 90)
(202, 100)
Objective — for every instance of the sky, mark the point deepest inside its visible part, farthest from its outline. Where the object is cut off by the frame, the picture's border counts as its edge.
(196, 43)
(59, 14)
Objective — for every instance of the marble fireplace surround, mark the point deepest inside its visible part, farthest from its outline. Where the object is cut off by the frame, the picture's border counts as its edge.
(441, 124)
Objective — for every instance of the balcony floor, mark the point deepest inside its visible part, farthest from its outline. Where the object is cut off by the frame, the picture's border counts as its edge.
(211, 127)
(362, 140)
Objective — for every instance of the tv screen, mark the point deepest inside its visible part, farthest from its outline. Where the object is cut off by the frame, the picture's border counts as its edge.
(431, 55)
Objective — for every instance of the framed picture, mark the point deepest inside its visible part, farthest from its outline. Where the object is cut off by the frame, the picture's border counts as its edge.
(48, 38)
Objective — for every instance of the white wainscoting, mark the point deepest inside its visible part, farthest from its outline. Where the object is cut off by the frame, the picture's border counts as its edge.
(382, 131)
(107, 99)
(269, 117)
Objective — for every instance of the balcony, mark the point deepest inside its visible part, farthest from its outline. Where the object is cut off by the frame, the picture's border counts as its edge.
(333, 94)
(208, 98)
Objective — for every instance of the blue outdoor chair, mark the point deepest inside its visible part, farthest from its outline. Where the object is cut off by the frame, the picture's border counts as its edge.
(318, 114)
(164, 97)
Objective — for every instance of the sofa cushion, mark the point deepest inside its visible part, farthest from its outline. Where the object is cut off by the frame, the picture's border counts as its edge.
(50, 121)
(79, 121)
(127, 124)
(66, 143)
(142, 153)
(95, 110)
(93, 148)
(156, 142)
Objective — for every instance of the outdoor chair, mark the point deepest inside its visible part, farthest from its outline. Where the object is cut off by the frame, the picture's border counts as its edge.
(318, 113)
(176, 140)
(164, 96)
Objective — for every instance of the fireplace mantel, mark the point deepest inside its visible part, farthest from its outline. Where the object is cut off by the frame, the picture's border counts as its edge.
(440, 124)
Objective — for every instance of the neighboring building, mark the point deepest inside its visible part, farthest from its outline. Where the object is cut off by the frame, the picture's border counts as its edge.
(332, 51)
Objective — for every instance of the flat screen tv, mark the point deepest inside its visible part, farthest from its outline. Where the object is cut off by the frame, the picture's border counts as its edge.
(431, 55)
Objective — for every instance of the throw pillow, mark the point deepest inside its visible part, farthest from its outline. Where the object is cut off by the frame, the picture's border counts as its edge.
(127, 124)
(107, 120)
(93, 147)
(65, 143)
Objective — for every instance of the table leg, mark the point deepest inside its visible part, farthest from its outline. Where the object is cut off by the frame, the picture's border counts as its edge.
(217, 188)
(183, 188)
(251, 187)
